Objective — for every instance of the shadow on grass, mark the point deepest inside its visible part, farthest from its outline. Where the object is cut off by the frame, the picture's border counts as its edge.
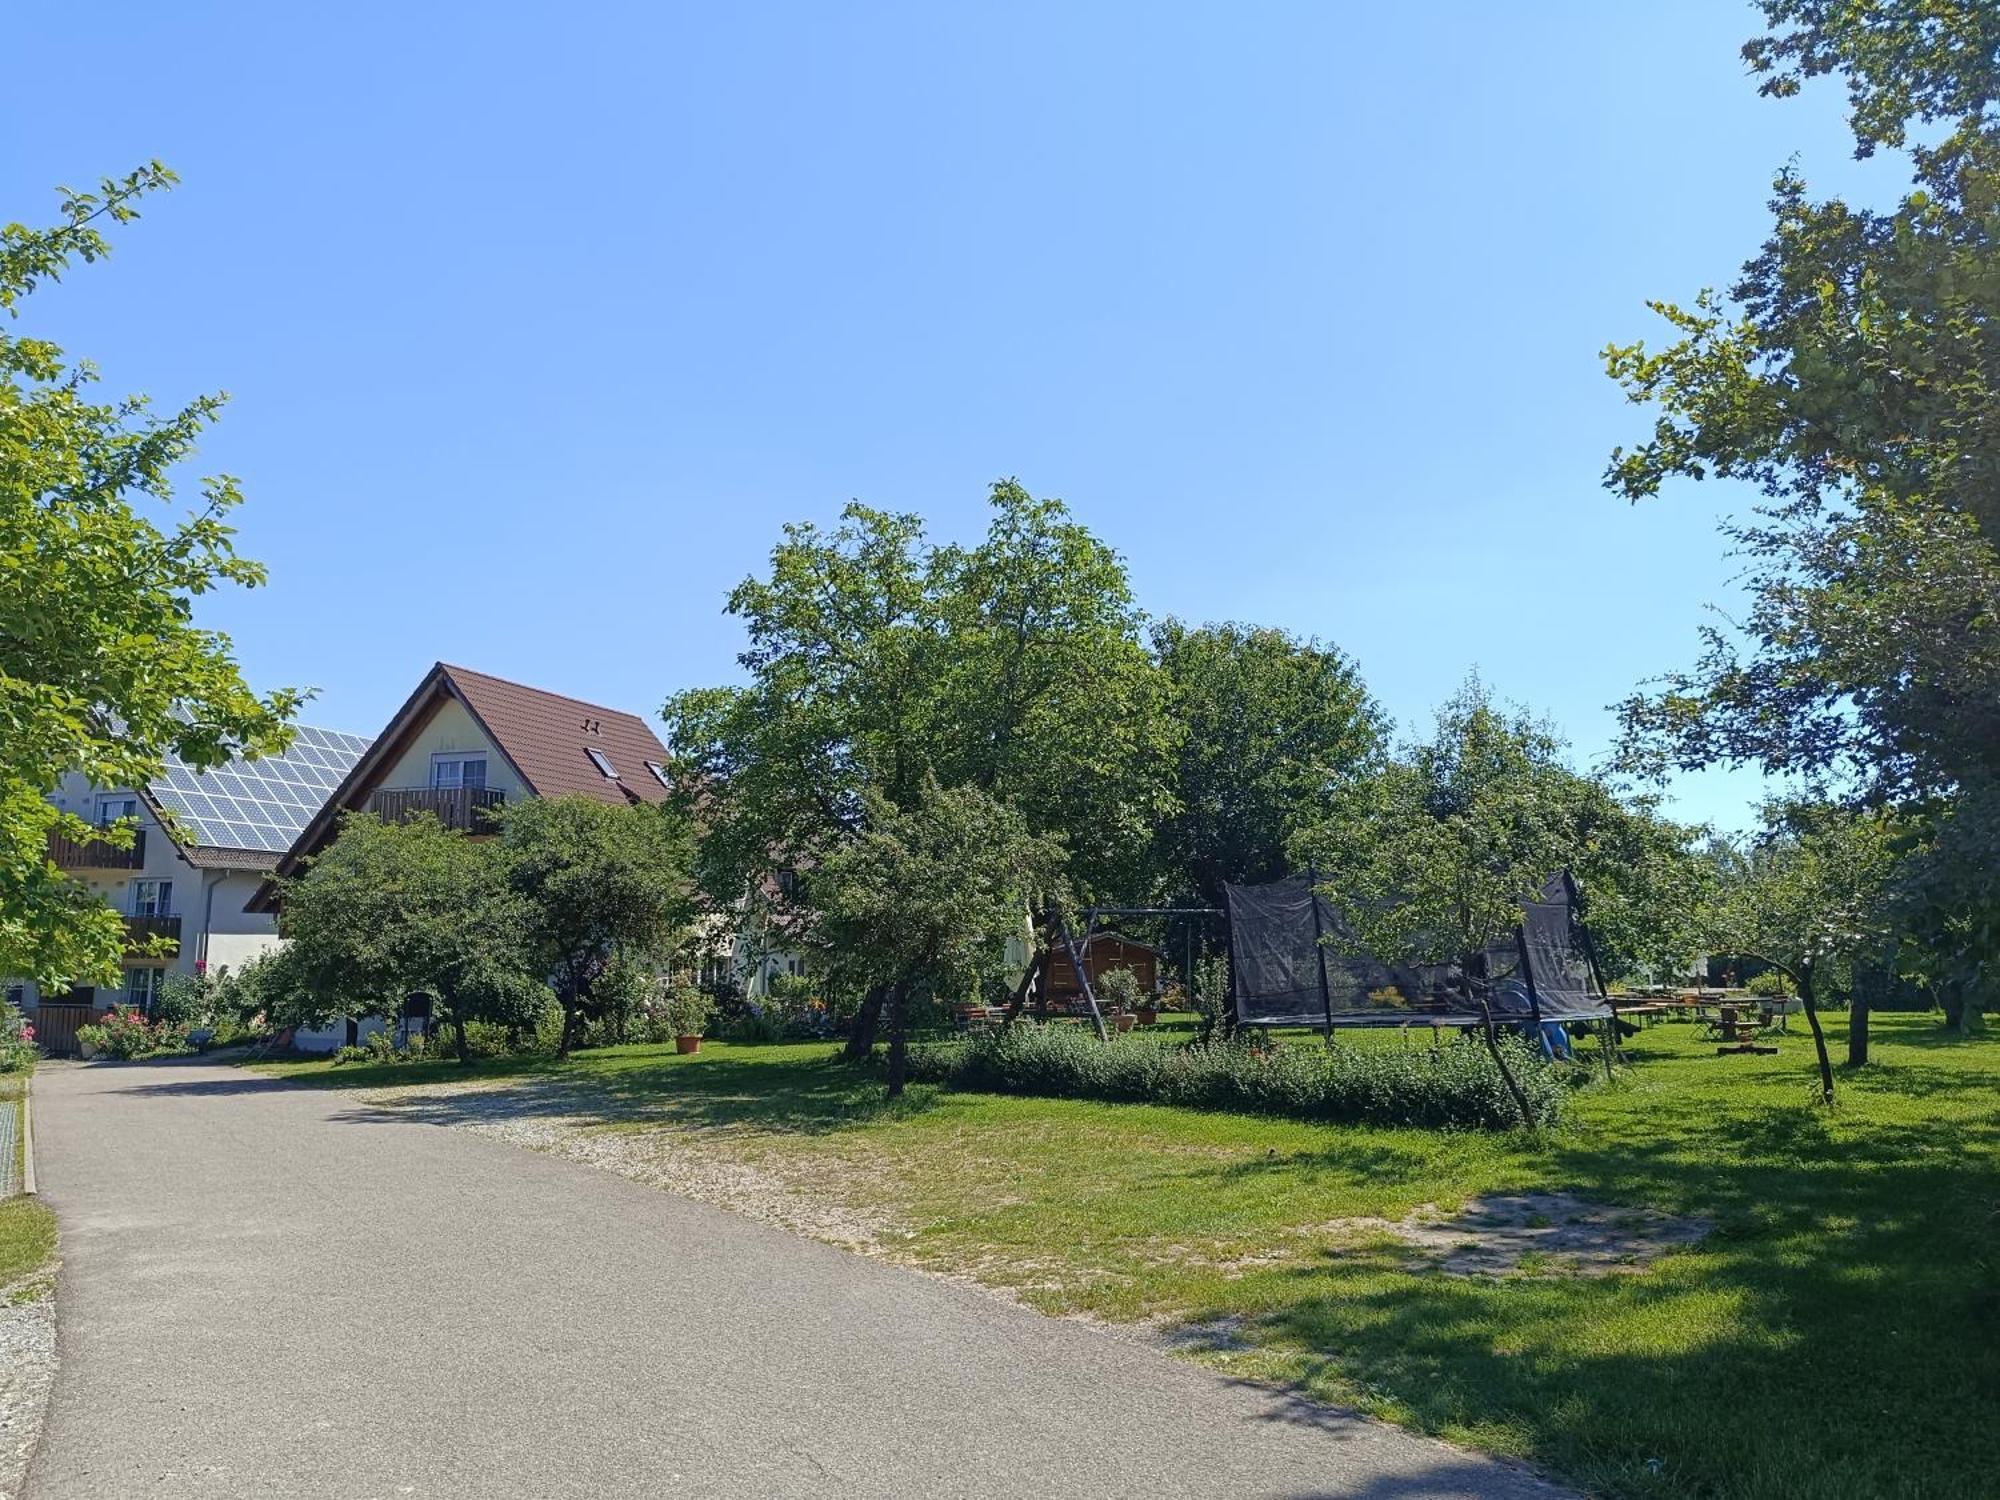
(811, 1096)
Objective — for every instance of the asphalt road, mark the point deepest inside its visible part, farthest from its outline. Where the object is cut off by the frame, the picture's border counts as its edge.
(273, 1291)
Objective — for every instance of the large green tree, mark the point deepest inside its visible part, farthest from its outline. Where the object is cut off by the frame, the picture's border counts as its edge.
(927, 895)
(1432, 852)
(1265, 726)
(390, 910)
(1852, 376)
(599, 880)
(879, 663)
(1805, 895)
(102, 669)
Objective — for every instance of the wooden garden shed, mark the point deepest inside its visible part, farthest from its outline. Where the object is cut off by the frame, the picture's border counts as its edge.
(1102, 952)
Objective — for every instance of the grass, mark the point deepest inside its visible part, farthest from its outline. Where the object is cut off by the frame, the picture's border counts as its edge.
(1834, 1336)
(27, 1227)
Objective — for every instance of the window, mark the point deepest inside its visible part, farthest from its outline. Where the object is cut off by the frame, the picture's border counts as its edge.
(17, 995)
(602, 761)
(111, 809)
(453, 769)
(659, 774)
(152, 898)
(142, 988)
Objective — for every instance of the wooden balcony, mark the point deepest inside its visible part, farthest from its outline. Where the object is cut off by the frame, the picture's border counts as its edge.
(465, 808)
(96, 854)
(141, 930)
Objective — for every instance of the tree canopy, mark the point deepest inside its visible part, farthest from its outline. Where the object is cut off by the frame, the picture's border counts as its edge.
(598, 880)
(1264, 726)
(1432, 852)
(1852, 375)
(102, 669)
(390, 910)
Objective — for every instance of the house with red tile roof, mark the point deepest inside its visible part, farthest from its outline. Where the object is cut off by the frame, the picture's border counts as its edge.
(466, 743)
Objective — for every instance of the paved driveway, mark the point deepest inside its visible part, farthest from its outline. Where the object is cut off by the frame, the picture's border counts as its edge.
(274, 1291)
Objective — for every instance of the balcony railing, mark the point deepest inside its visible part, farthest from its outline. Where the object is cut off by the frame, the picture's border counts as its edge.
(141, 930)
(96, 854)
(466, 808)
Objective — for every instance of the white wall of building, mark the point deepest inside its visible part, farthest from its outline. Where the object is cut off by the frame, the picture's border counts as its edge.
(450, 729)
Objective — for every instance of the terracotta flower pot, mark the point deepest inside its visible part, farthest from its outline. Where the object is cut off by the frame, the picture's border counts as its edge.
(686, 1044)
(1148, 1016)
(1126, 1020)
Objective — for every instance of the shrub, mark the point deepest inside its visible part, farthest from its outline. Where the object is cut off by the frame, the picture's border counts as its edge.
(790, 1010)
(1455, 1086)
(688, 1011)
(123, 1034)
(1770, 984)
(18, 1052)
(351, 1055)
(1121, 991)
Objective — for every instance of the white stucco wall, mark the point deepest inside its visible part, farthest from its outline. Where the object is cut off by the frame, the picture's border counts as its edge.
(451, 728)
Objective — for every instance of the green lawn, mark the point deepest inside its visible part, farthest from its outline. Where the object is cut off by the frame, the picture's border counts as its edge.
(1834, 1336)
(27, 1228)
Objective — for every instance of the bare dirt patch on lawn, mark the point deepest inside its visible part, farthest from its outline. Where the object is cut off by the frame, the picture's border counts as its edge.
(1537, 1233)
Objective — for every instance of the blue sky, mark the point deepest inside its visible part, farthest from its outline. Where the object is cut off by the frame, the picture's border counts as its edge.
(538, 321)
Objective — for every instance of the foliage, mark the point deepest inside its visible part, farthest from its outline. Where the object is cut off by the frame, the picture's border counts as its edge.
(1431, 854)
(102, 670)
(394, 909)
(1807, 896)
(1770, 985)
(598, 880)
(125, 1034)
(18, 1052)
(791, 1009)
(1265, 725)
(189, 1001)
(879, 662)
(1853, 376)
(1211, 987)
(689, 1010)
(1119, 990)
(929, 894)
(1455, 1086)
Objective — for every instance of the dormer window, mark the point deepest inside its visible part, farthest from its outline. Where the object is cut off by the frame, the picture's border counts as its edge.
(602, 761)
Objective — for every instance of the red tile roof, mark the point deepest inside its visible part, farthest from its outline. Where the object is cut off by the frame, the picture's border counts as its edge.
(548, 737)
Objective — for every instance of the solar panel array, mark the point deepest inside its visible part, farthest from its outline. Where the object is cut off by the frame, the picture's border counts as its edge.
(259, 804)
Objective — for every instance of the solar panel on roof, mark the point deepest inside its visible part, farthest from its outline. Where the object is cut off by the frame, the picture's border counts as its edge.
(261, 805)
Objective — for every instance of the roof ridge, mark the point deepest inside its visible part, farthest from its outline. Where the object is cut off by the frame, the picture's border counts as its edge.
(529, 687)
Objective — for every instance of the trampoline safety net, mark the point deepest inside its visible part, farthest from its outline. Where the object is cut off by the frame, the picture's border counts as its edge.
(1557, 948)
(1285, 976)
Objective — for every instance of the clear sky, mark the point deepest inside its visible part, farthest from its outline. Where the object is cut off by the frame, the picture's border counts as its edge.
(539, 320)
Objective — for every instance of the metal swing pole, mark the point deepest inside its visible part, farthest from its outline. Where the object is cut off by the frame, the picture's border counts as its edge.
(1319, 951)
(1083, 979)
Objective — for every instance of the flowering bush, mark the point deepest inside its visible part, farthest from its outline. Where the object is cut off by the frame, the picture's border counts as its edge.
(18, 1051)
(122, 1034)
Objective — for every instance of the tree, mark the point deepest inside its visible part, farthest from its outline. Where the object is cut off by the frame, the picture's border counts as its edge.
(102, 670)
(929, 892)
(1805, 897)
(397, 909)
(1266, 725)
(598, 880)
(1853, 376)
(879, 663)
(1431, 853)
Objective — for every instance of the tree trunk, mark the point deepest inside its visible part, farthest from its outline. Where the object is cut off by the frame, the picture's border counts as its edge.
(1506, 1073)
(567, 1037)
(1805, 978)
(899, 1048)
(1026, 986)
(458, 1030)
(1857, 1028)
(867, 1021)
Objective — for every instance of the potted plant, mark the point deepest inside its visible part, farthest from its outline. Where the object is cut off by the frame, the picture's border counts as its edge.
(88, 1039)
(689, 1011)
(1121, 991)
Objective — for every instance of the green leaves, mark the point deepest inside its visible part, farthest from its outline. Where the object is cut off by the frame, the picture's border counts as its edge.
(102, 671)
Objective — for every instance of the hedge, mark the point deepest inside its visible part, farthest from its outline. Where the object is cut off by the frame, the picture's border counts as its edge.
(1455, 1086)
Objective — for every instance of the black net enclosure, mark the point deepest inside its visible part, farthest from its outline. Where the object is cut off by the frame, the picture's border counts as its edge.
(1560, 969)
(1297, 963)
